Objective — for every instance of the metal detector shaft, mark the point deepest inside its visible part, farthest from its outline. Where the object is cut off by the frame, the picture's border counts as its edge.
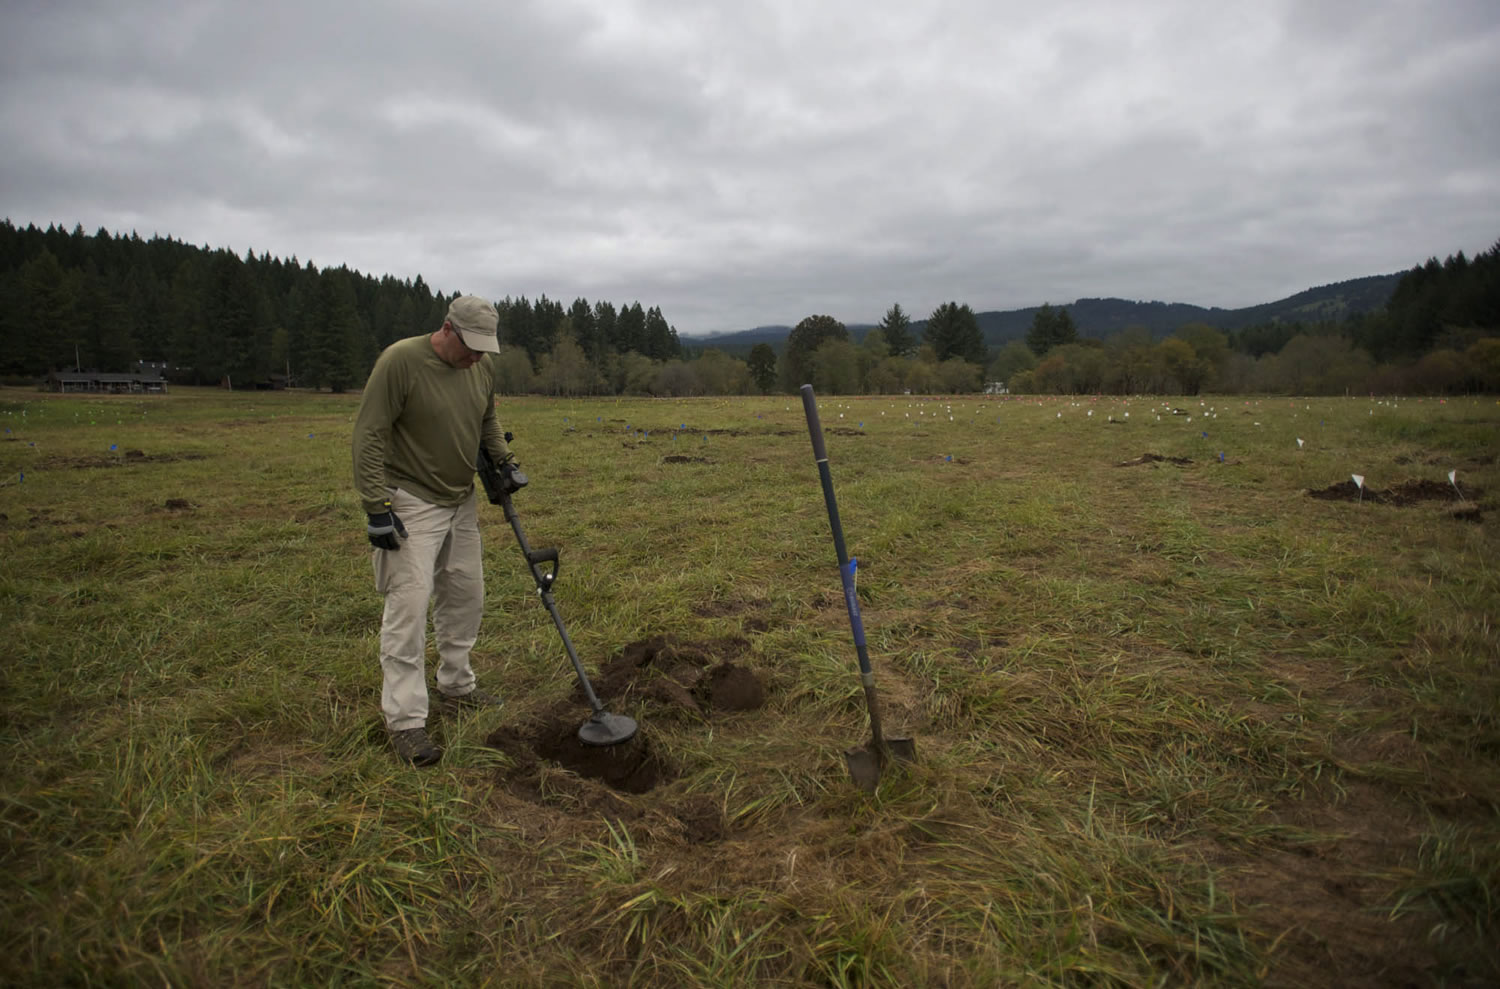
(544, 580)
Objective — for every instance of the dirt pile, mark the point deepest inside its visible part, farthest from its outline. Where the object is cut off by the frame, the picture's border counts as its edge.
(691, 677)
(1154, 458)
(698, 677)
(1405, 494)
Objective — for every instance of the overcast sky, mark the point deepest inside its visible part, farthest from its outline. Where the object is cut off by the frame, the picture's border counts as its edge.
(745, 163)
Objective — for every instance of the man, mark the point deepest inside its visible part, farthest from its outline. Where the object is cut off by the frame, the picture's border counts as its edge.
(426, 409)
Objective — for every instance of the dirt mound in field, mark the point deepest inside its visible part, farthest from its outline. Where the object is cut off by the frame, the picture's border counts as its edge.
(1404, 494)
(1154, 458)
(127, 458)
(696, 678)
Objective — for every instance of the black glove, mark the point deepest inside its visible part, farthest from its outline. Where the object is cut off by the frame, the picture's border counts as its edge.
(384, 529)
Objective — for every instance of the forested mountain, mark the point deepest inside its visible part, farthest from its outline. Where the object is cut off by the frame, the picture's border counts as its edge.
(1101, 318)
(104, 302)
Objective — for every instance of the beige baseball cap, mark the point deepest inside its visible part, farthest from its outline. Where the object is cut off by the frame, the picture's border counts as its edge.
(475, 320)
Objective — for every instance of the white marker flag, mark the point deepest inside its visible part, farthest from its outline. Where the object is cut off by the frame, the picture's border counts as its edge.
(1299, 442)
(1359, 481)
(1453, 478)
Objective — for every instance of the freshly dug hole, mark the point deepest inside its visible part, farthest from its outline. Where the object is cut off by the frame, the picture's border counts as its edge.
(630, 767)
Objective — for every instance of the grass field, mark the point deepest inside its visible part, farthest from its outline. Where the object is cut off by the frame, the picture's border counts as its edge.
(1177, 722)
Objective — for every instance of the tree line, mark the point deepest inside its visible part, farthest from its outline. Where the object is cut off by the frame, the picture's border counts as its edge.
(105, 302)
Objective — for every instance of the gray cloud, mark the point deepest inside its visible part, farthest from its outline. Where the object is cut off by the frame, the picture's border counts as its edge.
(741, 163)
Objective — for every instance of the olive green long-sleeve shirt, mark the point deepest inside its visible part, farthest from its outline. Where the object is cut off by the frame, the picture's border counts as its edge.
(420, 424)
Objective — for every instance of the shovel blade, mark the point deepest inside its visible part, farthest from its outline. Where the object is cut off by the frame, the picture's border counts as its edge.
(866, 761)
(904, 749)
(864, 767)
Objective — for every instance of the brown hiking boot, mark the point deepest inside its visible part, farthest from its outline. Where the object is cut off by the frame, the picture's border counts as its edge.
(413, 746)
(474, 700)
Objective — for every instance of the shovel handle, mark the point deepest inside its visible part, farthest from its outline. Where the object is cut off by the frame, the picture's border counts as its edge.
(846, 565)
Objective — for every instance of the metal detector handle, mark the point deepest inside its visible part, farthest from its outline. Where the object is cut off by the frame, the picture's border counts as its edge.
(847, 566)
(536, 557)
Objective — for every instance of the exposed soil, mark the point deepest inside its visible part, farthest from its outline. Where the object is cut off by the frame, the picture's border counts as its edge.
(750, 613)
(1324, 882)
(686, 677)
(1327, 899)
(693, 676)
(1154, 458)
(677, 458)
(1405, 494)
(127, 458)
(665, 430)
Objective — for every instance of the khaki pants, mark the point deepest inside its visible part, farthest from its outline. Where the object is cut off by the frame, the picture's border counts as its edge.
(439, 561)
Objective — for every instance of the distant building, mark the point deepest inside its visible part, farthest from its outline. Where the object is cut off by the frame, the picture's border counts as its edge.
(100, 382)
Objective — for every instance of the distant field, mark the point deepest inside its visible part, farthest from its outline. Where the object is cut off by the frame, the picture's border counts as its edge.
(1190, 706)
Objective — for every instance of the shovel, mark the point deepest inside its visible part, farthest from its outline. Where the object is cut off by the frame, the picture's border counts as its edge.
(866, 761)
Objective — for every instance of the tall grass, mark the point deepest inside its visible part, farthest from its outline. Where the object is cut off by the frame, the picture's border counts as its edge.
(1176, 723)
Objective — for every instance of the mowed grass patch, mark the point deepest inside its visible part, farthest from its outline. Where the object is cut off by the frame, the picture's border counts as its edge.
(1177, 721)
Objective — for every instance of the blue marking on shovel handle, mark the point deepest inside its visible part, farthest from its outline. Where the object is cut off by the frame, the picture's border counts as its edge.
(851, 600)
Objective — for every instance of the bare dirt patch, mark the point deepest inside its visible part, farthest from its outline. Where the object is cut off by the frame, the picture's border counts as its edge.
(696, 678)
(631, 767)
(677, 458)
(1154, 458)
(751, 613)
(127, 459)
(1405, 494)
(1327, 895)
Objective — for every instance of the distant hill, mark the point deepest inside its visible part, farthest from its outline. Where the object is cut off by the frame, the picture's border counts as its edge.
(1102, 318)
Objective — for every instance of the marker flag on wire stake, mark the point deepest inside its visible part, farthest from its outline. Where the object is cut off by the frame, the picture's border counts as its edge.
(1299, 442)
(1359, 481)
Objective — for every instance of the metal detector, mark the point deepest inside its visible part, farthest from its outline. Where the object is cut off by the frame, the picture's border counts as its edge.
(500, 482)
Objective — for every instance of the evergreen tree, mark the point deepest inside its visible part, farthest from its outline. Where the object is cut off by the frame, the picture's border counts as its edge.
(953, 331)
(586, 329)
(517, 325)
(660, 339)
(48, 317)
(547, 316)
(762, 364)
(605, 329)
(630, 330)
(896, 327)
(1050, 328)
